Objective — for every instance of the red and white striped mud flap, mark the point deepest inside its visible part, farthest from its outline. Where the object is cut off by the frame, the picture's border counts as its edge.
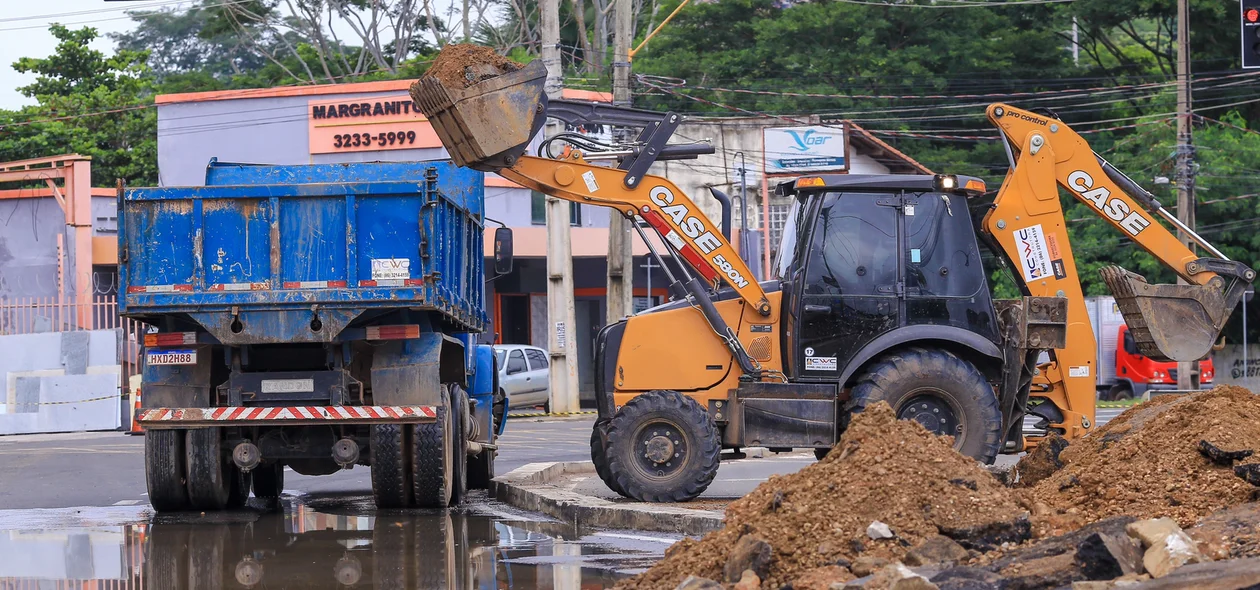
(156, 418)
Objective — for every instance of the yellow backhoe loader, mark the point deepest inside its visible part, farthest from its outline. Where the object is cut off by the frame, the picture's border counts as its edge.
(878, 294)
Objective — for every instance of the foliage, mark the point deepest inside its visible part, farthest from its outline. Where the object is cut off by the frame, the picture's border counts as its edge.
(122, 141)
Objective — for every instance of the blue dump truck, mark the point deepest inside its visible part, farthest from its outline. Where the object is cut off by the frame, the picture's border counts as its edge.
(316, 318)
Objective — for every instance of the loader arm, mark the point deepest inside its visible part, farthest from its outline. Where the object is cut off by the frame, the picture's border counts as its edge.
(659, 202)
(1169, 322)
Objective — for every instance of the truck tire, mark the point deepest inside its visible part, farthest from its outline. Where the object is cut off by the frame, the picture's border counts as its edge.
(268, 481)
(599, 456)
(459, 446)
(391, 465)
(1119, 392)
(681, 442)
(432, 461)
(209, 474)
(481, 470)
(164, 470)
(241, 483)
(939, 390)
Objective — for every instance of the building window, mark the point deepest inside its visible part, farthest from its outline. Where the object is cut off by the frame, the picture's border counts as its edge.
(538, 210)
(778, 216)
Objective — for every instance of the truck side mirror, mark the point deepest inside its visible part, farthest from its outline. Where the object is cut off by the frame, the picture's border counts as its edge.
(502, 250)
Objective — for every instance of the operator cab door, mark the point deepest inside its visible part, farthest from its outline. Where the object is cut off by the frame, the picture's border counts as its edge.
(850, 290)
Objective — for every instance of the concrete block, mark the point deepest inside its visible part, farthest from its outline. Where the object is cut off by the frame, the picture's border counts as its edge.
(26, 395)
(74, 352)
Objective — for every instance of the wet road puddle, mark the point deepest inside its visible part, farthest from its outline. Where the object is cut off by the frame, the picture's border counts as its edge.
(331, 542)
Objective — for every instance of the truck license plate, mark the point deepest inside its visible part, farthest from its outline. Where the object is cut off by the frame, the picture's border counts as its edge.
(288, 385)
(172, 357)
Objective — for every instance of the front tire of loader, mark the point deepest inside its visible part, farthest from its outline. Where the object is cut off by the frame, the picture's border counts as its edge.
(164, 470)
(662, 447)
(209, 474)
(939, 390)
(599, 456)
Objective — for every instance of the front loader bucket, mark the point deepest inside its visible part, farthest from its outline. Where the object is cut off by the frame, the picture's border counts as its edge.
(487, 125)
(1172, 322)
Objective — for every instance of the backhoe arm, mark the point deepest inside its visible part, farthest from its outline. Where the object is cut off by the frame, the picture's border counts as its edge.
(1168, 322)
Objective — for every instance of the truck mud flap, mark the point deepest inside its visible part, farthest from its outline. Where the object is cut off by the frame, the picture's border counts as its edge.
(159, 418)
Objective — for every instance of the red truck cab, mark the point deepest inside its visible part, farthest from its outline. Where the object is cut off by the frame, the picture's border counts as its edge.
(1136, 374)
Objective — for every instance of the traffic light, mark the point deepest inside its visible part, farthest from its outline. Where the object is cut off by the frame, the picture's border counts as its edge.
(1250, 33)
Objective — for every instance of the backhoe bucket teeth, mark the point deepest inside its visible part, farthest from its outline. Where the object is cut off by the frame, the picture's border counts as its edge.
(488, 125)
(1170, 322)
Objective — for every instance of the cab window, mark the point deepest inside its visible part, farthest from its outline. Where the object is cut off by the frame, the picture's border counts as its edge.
(853, 248)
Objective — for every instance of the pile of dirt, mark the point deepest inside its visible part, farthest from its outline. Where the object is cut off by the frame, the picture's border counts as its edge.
(460, 65)
(886, 470)
(1146, 463)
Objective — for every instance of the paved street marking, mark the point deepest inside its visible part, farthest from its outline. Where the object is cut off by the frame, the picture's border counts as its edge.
(126, 503)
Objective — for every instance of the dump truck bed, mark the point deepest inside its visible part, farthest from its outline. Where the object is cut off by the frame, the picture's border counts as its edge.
(344, 241)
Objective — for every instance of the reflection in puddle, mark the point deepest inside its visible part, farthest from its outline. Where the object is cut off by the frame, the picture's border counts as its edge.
(301, 547)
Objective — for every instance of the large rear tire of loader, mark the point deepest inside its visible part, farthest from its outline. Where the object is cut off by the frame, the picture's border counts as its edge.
(164, 470)
(459, 445)
(599, 456)
(432, 464)
(391, 465)
(939, 390)
(209, 473)
(662, 447)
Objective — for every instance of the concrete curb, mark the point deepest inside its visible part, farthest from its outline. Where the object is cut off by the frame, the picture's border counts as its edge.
(531, 488)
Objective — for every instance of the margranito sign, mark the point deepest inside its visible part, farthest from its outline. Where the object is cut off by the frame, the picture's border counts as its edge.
(368, 125)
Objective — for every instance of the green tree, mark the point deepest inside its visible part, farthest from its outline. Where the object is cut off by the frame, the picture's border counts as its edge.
(87, 103)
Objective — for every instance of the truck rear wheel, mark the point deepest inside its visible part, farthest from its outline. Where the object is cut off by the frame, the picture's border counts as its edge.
(662, 447)
(164, 470)
(459, 448)
(391, 465)
(942, 392)
(599, 456)
(209, 474)
(432, 471)
(268, 481)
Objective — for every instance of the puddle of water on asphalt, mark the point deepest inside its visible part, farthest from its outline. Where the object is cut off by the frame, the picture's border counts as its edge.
(319, 545)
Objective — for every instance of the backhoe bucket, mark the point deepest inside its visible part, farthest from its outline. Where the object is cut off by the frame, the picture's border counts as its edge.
(487, 125)
(1172, 322)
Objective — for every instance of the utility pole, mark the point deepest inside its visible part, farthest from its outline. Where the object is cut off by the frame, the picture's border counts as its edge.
(620, 257)
(561, 317)
(1187, 377)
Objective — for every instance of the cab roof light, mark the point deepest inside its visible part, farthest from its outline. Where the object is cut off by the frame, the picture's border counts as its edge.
(975, 184)
(810, 181)
(946, 182)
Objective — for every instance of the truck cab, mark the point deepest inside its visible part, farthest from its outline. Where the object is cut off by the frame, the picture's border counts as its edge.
(1136, 374)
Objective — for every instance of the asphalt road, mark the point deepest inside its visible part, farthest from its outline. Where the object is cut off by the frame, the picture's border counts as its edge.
(107, 469)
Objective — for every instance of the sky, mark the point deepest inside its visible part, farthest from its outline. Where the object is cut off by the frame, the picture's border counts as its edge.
(24, 28)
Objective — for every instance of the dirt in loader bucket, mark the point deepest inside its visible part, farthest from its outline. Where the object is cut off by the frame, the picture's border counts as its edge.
(461, 65)
(483, 106)
(829, 522)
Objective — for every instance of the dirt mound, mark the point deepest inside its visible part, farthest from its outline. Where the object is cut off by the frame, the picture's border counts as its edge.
(460, 65)
(886, 470)
(1146, 463)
